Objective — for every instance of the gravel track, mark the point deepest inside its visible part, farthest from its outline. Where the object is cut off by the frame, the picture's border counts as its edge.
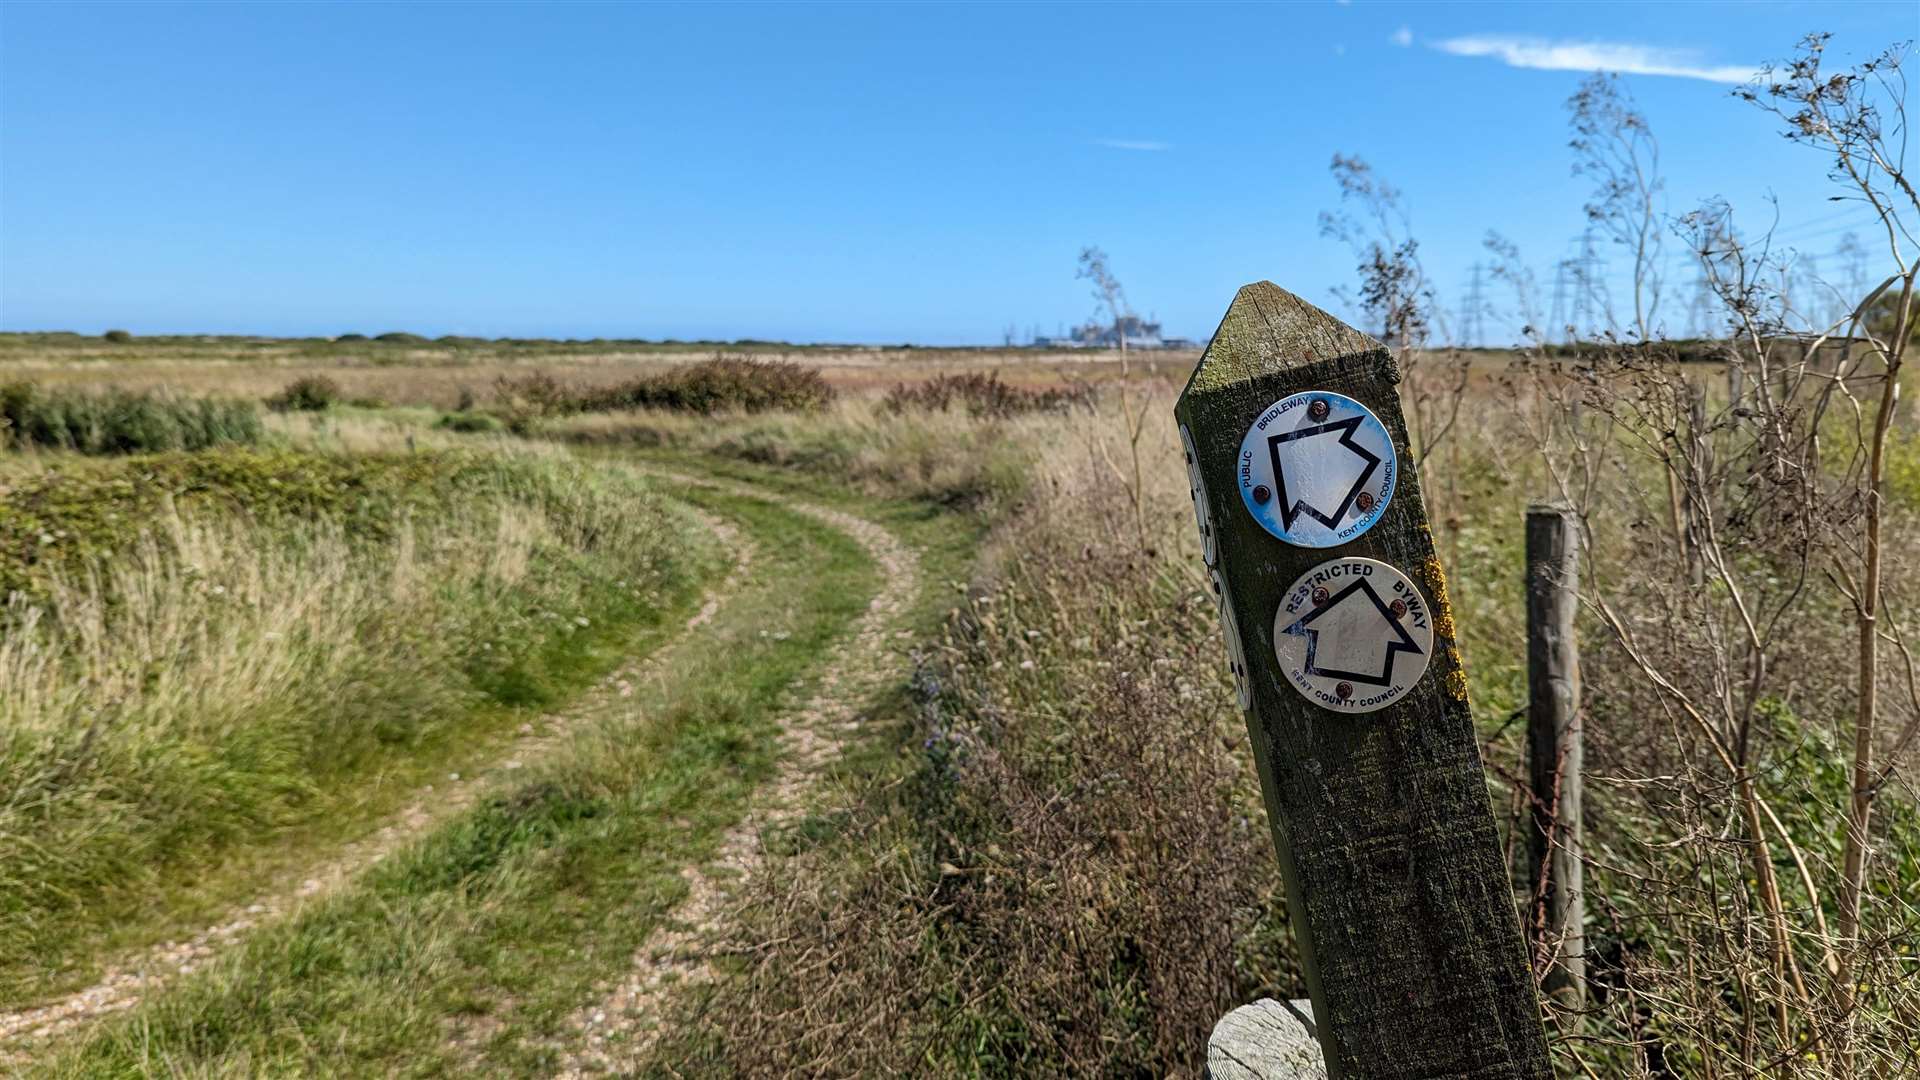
(615, 1033)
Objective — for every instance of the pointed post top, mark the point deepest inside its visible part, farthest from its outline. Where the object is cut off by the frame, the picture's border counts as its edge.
(1269, 329)
(1397, 888)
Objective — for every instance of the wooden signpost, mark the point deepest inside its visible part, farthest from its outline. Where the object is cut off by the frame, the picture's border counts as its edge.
(1342, 645)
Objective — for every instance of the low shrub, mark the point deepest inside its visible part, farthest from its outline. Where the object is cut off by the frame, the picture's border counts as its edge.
(469, 423)
(984, 395)
(348, 339)
(723, 384)
(120, 421)
(727, 384)
(397, 337)
(308, 393)
(118, 337)
(536, 393)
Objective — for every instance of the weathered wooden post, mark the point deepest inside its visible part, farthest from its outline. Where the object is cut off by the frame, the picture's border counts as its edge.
(1342, 645)
(1554, 756)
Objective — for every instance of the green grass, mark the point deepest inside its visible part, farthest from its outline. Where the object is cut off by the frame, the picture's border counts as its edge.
(514, 911)
(115, 421)
(215, 775)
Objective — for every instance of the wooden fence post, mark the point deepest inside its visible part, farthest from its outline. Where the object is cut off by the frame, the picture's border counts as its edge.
(1342, 646)
(1554, 755)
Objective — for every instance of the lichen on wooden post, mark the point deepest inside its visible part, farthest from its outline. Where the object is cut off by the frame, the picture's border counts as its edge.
(1399, 900)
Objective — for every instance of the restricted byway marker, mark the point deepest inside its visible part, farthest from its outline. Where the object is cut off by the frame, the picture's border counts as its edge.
(1353, 635)
(1317, 469)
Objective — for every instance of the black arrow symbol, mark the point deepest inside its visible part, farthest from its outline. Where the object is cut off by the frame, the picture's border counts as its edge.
(1402, 641)
(1291, 508)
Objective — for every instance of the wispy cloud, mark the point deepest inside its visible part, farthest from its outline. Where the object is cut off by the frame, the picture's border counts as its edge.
(1403, 37)
(1623, 57)
(1134, 144)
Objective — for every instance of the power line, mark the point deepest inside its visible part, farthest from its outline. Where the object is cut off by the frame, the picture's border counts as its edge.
(1557, 319)
(1473, 324)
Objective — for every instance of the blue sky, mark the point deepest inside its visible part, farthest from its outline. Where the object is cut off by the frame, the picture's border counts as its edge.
(869, 173)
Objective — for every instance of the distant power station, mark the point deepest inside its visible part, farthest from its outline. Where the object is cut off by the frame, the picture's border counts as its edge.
(1140, 334)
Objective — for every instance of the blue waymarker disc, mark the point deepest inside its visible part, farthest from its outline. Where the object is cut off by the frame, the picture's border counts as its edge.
(1317, 469)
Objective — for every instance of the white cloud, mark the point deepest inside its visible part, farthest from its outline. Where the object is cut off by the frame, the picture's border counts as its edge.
(1134, 144)
(1403, 37)
(1626, 58)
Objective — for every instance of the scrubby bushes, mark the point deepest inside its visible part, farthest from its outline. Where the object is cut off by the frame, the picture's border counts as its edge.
(983, 395)
(308, 393)
(120, 421)
(118, 337)
(723, 384)
(468, 423)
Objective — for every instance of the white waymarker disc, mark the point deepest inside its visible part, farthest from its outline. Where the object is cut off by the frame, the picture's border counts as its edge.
(1353, 635)
(1317, 469)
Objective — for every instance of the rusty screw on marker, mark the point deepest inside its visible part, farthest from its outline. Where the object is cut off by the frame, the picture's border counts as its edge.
(1320, 596)
(1398, 607)
(1364, 501)
(1261, 494)
(1318, 409)
(1343, 691)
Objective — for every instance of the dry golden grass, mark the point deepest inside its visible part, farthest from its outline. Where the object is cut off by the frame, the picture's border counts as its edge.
(434, 375)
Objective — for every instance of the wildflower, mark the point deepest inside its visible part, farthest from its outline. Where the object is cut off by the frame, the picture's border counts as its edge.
(580, 620)
(46, 538)
(1026, 665)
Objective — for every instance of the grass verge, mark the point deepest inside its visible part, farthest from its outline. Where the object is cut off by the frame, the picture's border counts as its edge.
(467, 951)
(250, 658)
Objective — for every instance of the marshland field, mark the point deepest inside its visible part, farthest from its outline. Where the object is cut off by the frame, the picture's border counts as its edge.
(399, 707)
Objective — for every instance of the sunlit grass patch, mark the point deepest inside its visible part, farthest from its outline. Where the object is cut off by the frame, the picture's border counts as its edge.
(232, 644)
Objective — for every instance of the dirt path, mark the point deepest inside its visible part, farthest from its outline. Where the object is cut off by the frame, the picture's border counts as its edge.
(616, 1032)
(125, 983)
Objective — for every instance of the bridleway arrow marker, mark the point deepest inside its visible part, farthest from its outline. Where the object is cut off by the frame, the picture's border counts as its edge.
(1355, 700)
